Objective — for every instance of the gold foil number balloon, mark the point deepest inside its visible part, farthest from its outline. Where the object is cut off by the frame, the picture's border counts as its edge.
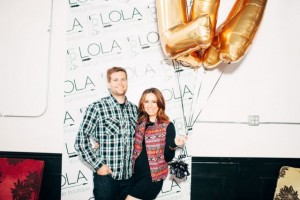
(195, 39)
(178, 35)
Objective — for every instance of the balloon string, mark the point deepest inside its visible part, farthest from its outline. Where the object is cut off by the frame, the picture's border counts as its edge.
(194, 101)
(208, 97)
(177, 71)
(194, 95)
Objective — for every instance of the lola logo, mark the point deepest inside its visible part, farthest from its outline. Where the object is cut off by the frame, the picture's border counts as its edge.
(75, 26)
(172, 94)
(177, 65)
(73, 179)
(171, 67)
(70, 149)
(68, 119)
(140, 72)
(172, 187)
(79, 86)
(94, 50)
(142, 42)
(95, 24)
(73, 60)
(180, 127)
(152, 11)
(113, 17)
(77, 3)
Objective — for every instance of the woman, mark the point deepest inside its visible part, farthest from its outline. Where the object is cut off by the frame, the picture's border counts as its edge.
(154, 146)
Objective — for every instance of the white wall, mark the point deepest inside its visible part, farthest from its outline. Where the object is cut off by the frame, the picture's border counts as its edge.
(265, 83)
(41, 130)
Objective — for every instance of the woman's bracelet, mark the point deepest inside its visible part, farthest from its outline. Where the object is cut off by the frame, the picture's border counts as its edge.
(173, 148)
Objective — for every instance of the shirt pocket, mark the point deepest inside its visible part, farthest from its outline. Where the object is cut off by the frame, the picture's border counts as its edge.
(111, 126)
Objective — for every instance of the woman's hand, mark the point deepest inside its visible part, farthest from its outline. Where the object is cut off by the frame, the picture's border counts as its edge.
(181, 140)
(96, 146)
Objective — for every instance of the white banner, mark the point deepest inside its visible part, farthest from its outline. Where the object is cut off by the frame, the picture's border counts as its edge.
(102, 34)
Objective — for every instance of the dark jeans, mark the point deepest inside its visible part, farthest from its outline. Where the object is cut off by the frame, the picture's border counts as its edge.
(107, 188)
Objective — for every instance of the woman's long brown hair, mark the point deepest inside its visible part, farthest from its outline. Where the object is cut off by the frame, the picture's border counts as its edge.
(161, 115)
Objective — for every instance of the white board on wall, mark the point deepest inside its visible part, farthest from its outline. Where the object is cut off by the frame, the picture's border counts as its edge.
(24, 56)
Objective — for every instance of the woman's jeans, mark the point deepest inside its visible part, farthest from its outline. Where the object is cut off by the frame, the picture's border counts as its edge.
(107, 188)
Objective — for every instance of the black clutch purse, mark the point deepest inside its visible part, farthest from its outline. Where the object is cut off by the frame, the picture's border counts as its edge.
(179, 168)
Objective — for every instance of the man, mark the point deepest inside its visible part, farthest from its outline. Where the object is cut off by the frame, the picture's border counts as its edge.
(111, 123)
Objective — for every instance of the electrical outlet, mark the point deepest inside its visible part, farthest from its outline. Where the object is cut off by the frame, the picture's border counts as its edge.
(253, 120)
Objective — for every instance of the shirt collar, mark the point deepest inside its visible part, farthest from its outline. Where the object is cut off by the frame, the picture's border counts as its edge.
(115, 102)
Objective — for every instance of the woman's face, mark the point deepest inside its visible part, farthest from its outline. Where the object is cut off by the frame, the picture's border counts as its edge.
(150, 106)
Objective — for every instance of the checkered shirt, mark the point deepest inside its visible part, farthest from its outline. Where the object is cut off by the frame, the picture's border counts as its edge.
(112, 127)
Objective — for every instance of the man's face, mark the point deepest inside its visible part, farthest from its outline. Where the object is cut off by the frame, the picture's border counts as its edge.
(118, 83)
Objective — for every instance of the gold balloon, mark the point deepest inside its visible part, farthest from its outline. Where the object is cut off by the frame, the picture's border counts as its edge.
(191, 59)
(211, 57)
(201, 58)
(179, 36)
(197, 42)
(206, 7)
(238, 32)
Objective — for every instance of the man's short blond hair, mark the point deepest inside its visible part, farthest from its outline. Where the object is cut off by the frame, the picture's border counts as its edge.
(114, 69)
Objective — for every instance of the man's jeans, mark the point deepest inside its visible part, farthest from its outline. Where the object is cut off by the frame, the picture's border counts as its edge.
(107, 188)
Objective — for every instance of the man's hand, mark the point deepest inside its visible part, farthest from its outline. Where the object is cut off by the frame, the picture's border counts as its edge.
(104, 170)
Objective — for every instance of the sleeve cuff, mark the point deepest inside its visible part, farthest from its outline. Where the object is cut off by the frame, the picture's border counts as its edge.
(172, 148)
(98, 167)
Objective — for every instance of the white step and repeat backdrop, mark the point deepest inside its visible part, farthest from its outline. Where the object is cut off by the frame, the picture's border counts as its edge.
(101, 34)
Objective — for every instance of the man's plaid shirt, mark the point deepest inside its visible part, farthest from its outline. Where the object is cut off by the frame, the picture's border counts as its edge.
(113, 128)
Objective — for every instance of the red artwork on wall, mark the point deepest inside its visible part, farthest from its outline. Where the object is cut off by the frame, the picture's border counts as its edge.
(20, 178)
